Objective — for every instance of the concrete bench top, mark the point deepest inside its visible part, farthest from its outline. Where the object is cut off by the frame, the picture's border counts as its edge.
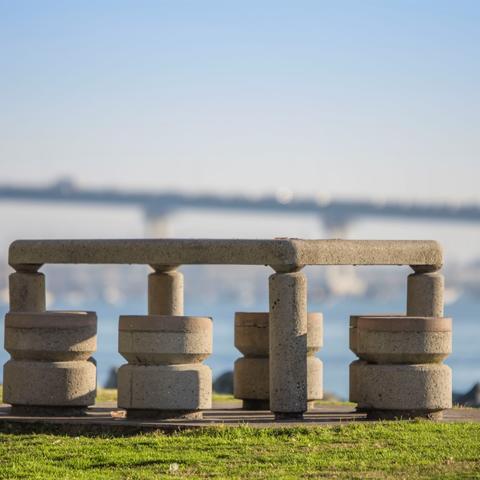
(276, 252)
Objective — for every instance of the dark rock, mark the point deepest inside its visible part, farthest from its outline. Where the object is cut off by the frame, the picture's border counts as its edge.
(112, 378)
(469, 399)
(224, 383)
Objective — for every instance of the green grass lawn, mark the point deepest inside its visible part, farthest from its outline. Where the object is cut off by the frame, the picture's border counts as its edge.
(351, 451)
(376, 450)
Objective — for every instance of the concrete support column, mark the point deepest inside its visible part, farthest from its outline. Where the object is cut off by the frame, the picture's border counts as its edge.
(251, 372)
(164, 376)
(425, 294)
(51, 371)
(400, 373)
(27, 291)
(165, 292)
(288, 344)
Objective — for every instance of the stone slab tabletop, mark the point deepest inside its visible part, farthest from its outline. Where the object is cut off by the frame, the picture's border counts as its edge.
(107, 419)
(275, 252)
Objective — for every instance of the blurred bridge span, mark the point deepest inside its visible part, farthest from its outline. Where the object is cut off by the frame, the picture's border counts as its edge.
(336, 214)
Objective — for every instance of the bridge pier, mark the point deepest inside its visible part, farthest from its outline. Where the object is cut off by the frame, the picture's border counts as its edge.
(157, 226)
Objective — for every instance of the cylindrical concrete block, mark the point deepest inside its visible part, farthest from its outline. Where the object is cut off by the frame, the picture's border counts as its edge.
(51, 336)
(406, 391)
(354, 380)
(165, 391)
(51, 370)
(164, 377)
(165, 293)
(404, 340)
(251, 373)
(27, 292)
(353, 332)
(158, 339)
(425, 295)
(288, 344)
(49, 384)
(252, 335)
(251, 379)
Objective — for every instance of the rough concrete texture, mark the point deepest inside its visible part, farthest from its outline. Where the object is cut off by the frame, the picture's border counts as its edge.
(354, 379)
(51, 336)
(425, 295)
(369, 252)
(404, 340)
(251, 379)
(49, 383)
(282, 253)
(353, 327)
(288, 343)
(252, 333)
(27, 292)
(404, 387)
(158, 339)
(165, 387)
(165, 293)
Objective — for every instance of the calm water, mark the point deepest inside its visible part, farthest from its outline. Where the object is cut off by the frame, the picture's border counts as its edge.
(465, 361)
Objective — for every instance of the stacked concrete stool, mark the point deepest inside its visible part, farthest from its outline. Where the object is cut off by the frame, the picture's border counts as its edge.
(400, 373)
(164, 377)
(51, 371)
(251, 381)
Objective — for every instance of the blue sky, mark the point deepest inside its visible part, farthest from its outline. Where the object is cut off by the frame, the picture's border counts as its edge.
(346, 98)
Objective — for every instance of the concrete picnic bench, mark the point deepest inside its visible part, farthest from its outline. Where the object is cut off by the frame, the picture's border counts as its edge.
(287, 285)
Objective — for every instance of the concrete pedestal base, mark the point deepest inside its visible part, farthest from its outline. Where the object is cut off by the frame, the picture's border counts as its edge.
(251, 373)
(251, 380)
(49, 384)
(355, 380)
(177, 388)
(51, 371)
(404, 388)
(164, 377)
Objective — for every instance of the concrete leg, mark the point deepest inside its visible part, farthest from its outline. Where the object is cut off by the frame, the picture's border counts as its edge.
(425, 294)
(27, 292)
(288, 345)
(251, 378)
(165, 293)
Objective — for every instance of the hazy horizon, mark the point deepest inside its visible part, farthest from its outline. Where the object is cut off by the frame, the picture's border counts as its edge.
(348, 99)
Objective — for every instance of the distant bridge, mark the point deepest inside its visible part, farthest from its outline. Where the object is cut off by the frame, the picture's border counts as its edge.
(336, 214)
